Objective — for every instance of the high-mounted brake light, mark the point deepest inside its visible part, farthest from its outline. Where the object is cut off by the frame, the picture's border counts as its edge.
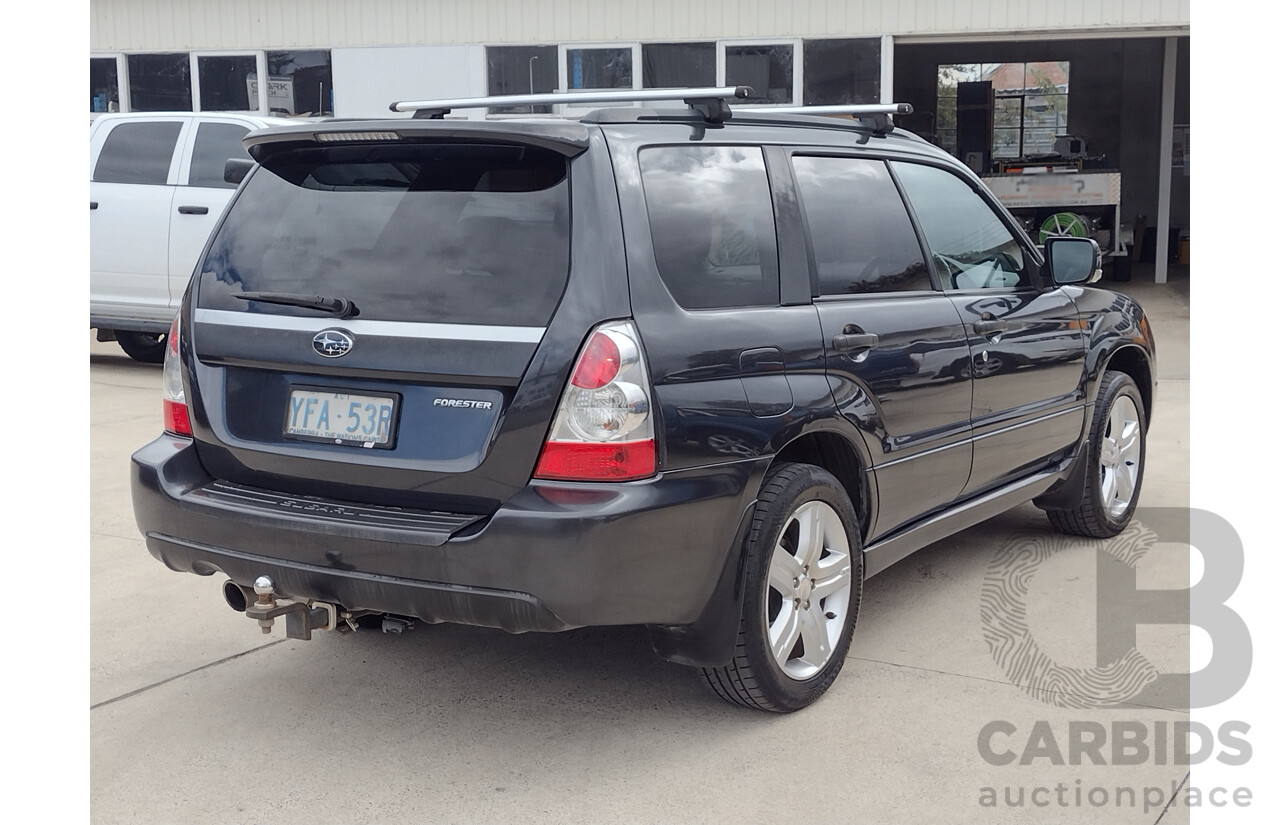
(176, 419)
(603, 429)
(352, 137)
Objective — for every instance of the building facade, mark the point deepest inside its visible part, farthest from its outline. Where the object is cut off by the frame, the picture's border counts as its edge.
(1113, 72)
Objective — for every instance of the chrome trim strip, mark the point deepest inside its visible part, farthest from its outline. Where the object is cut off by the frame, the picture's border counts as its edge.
(1037, 420)
(388, 329)
(974, 439)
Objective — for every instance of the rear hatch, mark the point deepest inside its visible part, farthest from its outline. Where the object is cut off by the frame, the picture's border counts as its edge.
(362, 319)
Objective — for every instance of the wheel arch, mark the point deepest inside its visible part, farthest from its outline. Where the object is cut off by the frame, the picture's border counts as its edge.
(1134, 362)
(709, 641)
(835, 452)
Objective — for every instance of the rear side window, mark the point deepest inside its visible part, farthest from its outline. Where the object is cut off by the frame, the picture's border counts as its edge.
(215, 144)
(859, 230)
(138, 153)
(712, 222)
(971, 246)
(446, 233)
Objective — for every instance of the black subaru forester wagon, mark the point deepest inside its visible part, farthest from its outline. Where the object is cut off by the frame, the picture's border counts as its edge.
(691, 368)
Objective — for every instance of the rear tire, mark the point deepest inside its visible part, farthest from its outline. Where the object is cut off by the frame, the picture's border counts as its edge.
(1117, 453)
(803, 586)
(147, 347)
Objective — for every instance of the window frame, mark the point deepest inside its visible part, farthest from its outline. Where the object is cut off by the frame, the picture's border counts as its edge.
(637, 65)
(122, 80)
(1021, 96)
(562, 55)
(260, 64)
(715, 54)
(918, 231)
(797, 65)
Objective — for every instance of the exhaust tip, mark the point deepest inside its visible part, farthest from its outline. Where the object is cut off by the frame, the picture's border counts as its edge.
(236, 596)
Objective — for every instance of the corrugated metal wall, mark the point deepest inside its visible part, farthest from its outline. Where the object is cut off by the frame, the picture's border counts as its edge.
(141, 25)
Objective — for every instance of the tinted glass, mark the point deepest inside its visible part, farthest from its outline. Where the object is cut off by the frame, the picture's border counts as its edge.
(599, 68)
(225, 83)
(215, 143)
(859, 230)
(299, 82)
(766, 69)
(522, 70)
(465, 234)
(841, 71)
(672, 65)
(138, 153)
(160, 82)
(104, 85)
(712, 224)
(971, 246)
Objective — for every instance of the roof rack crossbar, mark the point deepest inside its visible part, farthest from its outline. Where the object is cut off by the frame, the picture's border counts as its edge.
(877, 113)
(708, 100)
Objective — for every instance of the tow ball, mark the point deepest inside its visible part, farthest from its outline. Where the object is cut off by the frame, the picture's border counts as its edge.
(299, 618)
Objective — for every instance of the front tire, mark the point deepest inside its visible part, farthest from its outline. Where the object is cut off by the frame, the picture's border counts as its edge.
(147, 347)
(803, 586)
(1117, 453)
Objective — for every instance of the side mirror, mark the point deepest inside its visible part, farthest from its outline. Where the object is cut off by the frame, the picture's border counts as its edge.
(236, 169)
(1073, 260)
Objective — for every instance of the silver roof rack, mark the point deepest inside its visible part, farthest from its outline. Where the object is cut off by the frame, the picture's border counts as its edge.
(877, 114)
(855, 109)
(710, 101)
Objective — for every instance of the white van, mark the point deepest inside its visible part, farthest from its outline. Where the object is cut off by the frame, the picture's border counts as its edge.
(156, 191)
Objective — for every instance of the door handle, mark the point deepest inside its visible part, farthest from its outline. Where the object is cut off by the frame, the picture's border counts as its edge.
(193, 210)
(988, 327)
(93, 204)
(853, 342)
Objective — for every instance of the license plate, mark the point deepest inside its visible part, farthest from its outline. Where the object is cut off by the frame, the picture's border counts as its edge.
(340, 418)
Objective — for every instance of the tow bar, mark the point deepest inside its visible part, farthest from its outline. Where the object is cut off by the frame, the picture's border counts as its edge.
(299, 618)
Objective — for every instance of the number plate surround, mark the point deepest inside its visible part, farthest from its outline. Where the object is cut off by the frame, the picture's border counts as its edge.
(304, 425)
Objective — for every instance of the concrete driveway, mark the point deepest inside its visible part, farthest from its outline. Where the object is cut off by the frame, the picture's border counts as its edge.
(198, 718)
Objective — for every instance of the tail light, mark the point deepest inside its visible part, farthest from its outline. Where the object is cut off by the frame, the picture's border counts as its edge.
(176, 420)
(603, 429)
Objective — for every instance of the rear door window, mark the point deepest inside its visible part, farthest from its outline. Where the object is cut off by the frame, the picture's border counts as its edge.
(215, 144)
(461, 233)
(138, 153)
(859, 231)
(711, 217)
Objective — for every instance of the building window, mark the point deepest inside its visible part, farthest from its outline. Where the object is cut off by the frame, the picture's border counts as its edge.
(841, 71)
(608, 68)
(104, 85)
(678, 65)
(767, 69)
(298, 83)
(522, 70)
(1029, 104)
(228, 83)
(160, 82)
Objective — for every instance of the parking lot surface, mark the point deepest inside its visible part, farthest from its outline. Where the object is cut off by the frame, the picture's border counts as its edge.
(196, 717)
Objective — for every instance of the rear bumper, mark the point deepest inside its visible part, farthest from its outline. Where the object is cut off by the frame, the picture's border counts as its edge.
(555, 556)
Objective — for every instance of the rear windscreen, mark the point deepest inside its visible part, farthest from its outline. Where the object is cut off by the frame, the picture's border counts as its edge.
(447, 233)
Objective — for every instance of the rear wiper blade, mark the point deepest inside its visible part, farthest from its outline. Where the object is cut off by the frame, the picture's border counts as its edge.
(334, 306)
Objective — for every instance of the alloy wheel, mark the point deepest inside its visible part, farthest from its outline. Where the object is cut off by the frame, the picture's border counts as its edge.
(810, 583)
